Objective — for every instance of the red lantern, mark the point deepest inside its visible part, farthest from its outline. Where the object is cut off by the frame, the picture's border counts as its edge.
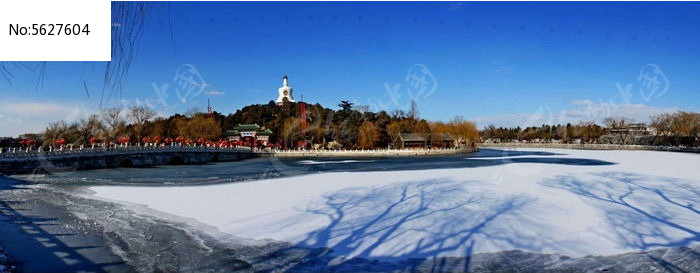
(60, 141)
(123, 140)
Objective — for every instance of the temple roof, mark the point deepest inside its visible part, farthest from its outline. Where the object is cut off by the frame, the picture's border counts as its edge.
(236, 130)
(231, 133)
(442, 137)
(246, 127)
(414, 137)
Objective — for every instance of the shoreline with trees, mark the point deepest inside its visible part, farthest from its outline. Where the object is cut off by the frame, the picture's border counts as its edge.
(610, 147)
(325, 129)
(348, 128)
(680, 129)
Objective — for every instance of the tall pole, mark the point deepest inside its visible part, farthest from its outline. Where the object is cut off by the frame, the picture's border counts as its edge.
(303, 117)
(209, 112)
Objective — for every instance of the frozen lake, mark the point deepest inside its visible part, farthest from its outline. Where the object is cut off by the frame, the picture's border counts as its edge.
(571, 202)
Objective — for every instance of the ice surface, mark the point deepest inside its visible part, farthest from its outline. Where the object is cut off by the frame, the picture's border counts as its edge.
(644, 200)
(316, 162)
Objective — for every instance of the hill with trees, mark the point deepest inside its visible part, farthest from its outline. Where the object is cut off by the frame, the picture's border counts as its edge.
(347, 127)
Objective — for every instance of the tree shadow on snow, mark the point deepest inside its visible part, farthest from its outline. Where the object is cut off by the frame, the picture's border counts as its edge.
(426, 226)
(644, 212)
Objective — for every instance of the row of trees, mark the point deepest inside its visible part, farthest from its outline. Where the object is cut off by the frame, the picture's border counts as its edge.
(113, 125)
(585, 131)
(355, 127)
(108, 126)
(348, 127)
(680, 128)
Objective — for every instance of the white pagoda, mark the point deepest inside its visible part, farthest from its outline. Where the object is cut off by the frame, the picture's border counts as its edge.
(285, 92)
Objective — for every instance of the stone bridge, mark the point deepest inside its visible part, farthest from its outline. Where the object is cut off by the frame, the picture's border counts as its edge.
(25, 162)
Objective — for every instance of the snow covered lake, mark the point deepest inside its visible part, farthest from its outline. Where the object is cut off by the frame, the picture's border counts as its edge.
(571, 202)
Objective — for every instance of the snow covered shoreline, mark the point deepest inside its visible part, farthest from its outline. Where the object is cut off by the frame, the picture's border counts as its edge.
(641, 200)
(409, 152)
(521, 145)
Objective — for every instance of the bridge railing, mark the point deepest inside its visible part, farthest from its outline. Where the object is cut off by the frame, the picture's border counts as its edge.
(102, 150)
(97, 150)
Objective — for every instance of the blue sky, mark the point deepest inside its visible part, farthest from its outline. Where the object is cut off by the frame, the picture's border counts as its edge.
(508, 63)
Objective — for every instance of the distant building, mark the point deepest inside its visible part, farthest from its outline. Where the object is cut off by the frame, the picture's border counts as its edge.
(441, 140)
(33, 136)
(285, 92)
(249, 135)
(634, 129)
(414, 140)
(411, 140)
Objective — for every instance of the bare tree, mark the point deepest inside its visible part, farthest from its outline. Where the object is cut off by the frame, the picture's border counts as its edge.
(55, 130)
(138, 115)
(192, 112)
(461, 131)
(619, 125)
(464, 131)
(662, 123)
(362, 108)
(89, 128)
(393, 129)
(397, 114)
(679, 126)
(413, 111)
(368, 135)
(198, 126)
(617, 122)
(113, 121)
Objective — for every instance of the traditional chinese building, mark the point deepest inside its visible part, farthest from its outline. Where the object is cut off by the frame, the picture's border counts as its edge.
(414, 140)
(441, 140)
(249, 135)
(285, 92)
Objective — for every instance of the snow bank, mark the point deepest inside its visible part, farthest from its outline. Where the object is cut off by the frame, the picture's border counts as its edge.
(644, 200)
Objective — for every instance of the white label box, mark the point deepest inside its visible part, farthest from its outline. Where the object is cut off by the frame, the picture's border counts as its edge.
(45, 30)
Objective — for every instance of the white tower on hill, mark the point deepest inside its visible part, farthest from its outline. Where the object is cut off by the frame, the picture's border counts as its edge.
(285, 92)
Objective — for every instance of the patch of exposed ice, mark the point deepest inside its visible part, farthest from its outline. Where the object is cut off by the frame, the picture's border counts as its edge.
(316, 162)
